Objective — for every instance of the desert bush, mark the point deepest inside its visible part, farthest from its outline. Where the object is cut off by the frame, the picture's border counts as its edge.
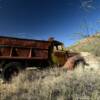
(53, 84)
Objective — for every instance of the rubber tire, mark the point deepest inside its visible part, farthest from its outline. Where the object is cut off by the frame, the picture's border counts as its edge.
(10, 69)
(80, 64)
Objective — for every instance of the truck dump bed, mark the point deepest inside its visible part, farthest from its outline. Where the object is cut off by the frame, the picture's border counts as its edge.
(15, 48)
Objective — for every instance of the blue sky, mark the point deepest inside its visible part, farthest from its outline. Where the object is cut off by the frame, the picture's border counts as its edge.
(40, 19)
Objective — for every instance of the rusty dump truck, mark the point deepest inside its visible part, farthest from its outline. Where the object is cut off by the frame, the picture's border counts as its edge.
(17, 54)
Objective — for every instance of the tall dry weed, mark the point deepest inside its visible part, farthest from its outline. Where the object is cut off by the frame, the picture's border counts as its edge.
(53, 84)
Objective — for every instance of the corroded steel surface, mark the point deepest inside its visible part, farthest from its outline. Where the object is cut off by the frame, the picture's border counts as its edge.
(22, 48)
(23, 42)
(73, 61)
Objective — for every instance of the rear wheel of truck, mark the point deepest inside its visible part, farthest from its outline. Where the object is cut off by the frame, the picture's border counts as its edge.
(11, 70)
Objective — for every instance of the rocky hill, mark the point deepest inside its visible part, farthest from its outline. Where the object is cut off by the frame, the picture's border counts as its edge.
(89, 44)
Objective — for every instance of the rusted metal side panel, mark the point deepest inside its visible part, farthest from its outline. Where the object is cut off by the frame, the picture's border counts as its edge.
(20, 52)
(25, 43)
(5, 51)
(41, 53)
(28, 49)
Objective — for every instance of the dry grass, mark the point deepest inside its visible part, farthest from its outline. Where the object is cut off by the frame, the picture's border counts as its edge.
(89, 44)
(53, 84)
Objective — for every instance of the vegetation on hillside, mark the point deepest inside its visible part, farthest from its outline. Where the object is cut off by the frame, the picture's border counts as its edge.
(89, 44)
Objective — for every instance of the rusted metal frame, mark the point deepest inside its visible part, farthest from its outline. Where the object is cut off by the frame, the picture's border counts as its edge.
(22, 39)
(23, 47)
(30, 53)
(23, 58)
(11, 50)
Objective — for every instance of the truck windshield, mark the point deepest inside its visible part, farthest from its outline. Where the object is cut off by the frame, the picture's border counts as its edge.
(58, 47)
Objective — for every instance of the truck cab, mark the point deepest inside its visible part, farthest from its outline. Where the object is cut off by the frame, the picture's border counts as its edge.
(58, 54)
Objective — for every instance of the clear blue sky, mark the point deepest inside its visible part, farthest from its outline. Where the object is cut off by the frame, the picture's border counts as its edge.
(40, 19)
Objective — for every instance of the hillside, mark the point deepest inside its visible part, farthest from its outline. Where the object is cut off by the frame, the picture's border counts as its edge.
(89, 44)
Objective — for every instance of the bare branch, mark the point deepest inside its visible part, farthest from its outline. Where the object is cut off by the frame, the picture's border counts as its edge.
(87, 5)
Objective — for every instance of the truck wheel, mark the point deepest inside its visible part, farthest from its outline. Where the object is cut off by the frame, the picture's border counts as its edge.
(11, 70)
(80, 64)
